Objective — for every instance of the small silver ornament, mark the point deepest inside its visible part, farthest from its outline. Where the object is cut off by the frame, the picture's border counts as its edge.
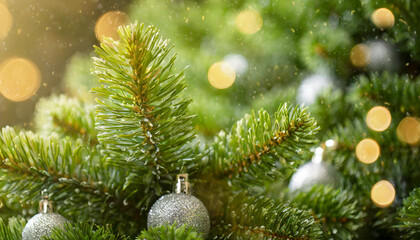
(382, 56)
(313, 86)
(44, 222)
(180, 208)
(313, 173)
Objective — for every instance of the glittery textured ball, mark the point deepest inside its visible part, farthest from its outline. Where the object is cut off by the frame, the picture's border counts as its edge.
(180, 209)
(310, 174)
(41, 225)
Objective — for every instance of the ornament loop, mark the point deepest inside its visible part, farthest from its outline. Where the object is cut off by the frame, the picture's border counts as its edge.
(45, 205)
(182, 184)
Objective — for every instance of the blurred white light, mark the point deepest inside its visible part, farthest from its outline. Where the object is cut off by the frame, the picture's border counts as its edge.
(330, 143)
(238, 62)
(382, 56)
(313, 86)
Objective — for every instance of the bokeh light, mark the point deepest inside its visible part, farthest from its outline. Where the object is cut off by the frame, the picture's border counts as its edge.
(382, 194)
(249, 21)
(19, 79)
(221, 75)
(5, 21)
(359, 55)
(367, 151)
(383, 18)
(107, 25)
(408, 130)
(378, 118)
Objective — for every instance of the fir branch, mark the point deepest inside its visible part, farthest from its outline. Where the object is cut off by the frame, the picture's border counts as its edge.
(262, 218)
(257, 143)
(400, 166)
(67, 169)
(12, 230)
(397, 93)
(66, 116)
(142, 119)
(170, 233)
(84, 231)
(409, 215)
(337, 210)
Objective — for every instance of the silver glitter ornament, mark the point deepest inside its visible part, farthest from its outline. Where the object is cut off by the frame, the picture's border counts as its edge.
(313, 173)
(44, 222)
(180, 208)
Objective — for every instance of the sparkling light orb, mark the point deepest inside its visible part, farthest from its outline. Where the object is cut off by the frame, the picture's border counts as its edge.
(382, 194)
(378, 118)
(249, 21)
(221, 75)
(107, 25)
(19, 79)
(5, 21)
(359, 55)
(367, 151)
(383, 18)
(408, 130)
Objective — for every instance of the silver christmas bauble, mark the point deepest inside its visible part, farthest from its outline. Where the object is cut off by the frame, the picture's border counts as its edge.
(41, 225)
(310, 174)
(312, 86)
(180, 209)
(382, 56)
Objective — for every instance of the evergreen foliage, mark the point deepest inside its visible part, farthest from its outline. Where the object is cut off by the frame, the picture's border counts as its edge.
(84, 232)
(142, 91)
(264, 218)
(64, 116)
(170, 233)
(12, 230)
(409, 214)
(337, 210)
(107, 162)
(257, 142)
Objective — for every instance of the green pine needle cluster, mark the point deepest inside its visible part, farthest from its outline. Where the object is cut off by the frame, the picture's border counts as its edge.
(337, 210)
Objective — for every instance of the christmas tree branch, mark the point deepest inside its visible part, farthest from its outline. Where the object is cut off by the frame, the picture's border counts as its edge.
(66, 168)
(409, 215)
(397, 93)
(84, 231)
(170, 232)
(257, 143)
(142, 120)
(12, 230)
(262, 218)
(363, 176)
(337, 210)
(66, 117)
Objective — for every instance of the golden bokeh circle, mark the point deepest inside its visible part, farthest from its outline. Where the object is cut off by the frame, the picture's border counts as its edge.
(408, 130)
(6, 21)
(382, 194)
(378, 118)
(359, 55)
(383, 18)
(367, 151)
(107, 25)
(19, 79)
(249, 21)
(221, 75)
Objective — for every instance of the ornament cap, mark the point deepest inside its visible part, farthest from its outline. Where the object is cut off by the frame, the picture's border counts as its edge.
(45, 205)
(319, 153)
(182, 184)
